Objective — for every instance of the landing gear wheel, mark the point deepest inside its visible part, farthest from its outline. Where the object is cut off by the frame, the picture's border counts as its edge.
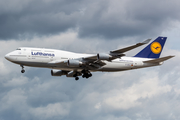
(90, 75)
(83, 76)
(22, 71)
(76, 78)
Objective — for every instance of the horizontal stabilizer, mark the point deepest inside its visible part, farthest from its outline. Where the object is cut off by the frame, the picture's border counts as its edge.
(158, 60)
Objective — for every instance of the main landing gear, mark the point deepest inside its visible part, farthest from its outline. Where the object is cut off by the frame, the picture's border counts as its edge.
(22, 71)
(86, 73)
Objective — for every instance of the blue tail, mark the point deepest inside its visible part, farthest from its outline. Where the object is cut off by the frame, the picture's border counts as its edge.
(154, 49)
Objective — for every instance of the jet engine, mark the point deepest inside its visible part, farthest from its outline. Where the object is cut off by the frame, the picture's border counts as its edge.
(74, 63)
(103, 56)
(58, 72)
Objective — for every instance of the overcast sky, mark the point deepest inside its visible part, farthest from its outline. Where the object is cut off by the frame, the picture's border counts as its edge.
(89, 26)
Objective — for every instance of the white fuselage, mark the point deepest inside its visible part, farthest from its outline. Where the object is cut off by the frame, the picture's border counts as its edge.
(56, 59)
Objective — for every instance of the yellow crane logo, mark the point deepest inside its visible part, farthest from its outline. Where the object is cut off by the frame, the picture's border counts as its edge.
(156, 47)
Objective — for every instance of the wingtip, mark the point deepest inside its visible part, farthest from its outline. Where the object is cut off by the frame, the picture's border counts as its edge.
(146, 41)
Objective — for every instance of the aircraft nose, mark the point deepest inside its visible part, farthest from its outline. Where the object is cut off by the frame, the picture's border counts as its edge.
(7, 56)
(10, 56)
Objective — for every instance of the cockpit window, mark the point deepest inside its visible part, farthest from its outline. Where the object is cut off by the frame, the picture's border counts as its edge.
(18, 49)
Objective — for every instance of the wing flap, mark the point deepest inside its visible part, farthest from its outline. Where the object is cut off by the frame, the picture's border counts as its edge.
(159, 59)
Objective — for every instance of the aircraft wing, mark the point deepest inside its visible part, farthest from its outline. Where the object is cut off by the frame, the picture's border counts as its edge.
(159, 59)
(114, 54)
(96, 61)
(57, 62)
(130, 47)
(93, 62)
(90, 58)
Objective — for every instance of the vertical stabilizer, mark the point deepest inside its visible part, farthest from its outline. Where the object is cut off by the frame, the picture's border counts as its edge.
(154, 49)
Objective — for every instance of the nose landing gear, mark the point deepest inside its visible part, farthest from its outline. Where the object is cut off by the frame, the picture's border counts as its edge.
(22, 71)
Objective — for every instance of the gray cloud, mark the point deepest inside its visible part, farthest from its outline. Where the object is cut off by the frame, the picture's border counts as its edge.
(102, 18)
(128, 18)
(37, 18)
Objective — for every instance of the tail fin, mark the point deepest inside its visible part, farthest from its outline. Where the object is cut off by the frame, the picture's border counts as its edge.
(154, 49)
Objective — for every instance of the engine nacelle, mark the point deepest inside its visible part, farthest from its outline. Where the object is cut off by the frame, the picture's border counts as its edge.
(74, 63)
(103, 56)
(58, 72)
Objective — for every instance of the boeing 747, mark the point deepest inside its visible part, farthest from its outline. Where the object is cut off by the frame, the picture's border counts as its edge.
(75, 64)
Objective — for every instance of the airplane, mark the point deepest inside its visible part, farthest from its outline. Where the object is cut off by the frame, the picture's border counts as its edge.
(76, 64)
